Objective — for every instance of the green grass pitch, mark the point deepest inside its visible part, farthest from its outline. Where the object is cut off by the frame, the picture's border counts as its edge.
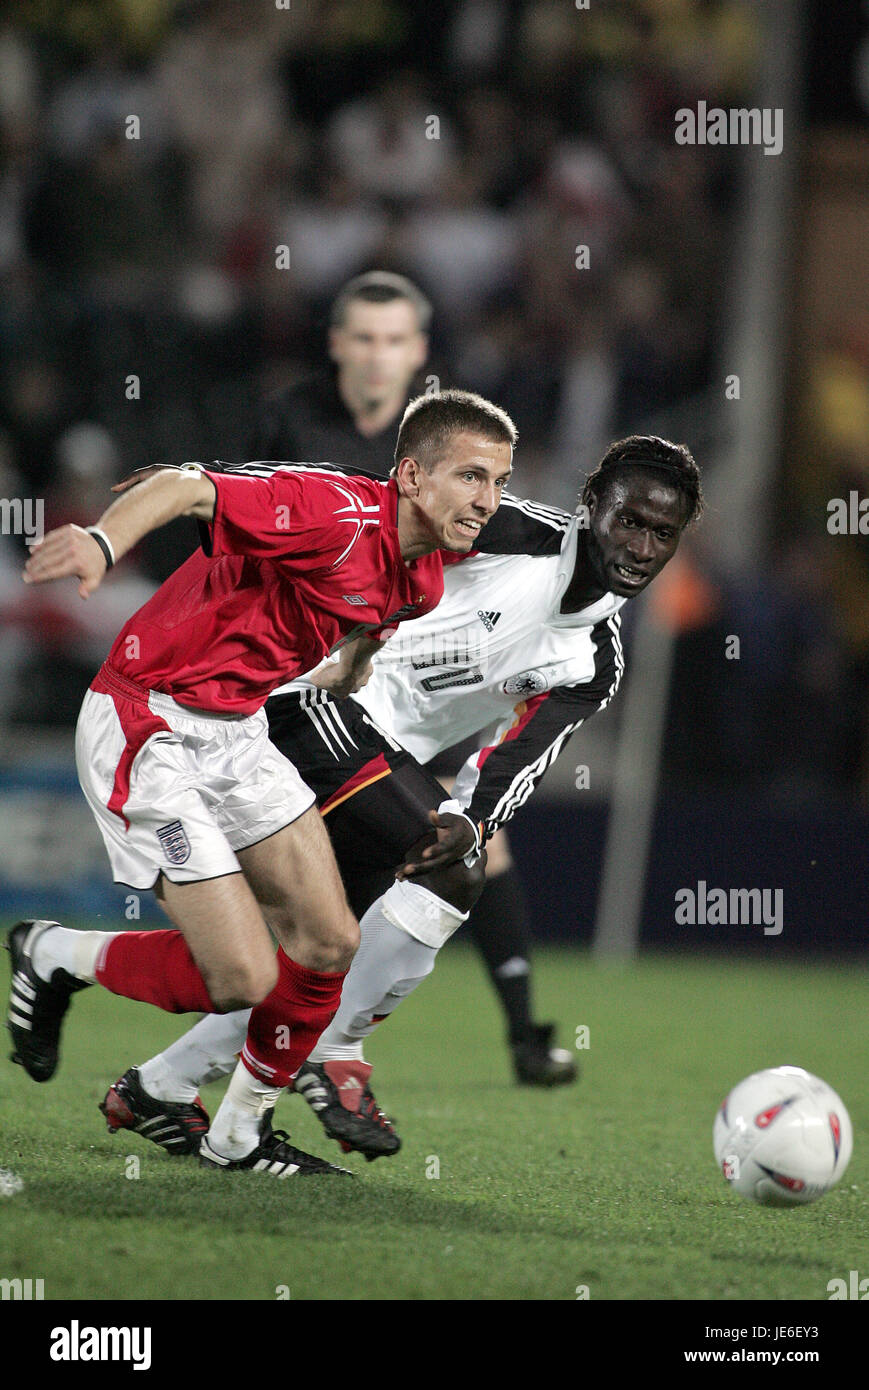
(609, 1185)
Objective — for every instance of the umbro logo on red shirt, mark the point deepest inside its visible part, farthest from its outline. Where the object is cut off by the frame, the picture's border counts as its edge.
(354, 598)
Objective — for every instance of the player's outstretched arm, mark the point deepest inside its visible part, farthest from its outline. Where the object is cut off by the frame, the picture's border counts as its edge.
(73, 550)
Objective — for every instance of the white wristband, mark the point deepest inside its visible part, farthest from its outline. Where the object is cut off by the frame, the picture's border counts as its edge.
(455, 808)
(104, 544)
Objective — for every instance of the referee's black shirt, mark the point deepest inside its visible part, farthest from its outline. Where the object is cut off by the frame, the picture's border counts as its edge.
(310, 423)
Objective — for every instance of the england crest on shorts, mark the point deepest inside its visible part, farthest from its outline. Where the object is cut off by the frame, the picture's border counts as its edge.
(528, 683)
(173, 838)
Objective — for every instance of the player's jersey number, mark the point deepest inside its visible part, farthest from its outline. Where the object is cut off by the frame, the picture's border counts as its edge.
(444, 680)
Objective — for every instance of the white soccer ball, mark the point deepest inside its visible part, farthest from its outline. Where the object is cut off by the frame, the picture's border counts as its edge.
(782, 1137)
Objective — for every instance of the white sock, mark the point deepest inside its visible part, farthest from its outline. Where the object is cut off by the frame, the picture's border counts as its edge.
(390, 963)
(234, 1131)
(342, 1050)
(74, 951)
(204, 1053)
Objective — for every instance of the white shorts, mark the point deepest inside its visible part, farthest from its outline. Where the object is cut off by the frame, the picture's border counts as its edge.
(177, 791)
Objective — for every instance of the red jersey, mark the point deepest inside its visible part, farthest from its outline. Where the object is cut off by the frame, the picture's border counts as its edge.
(299, 561)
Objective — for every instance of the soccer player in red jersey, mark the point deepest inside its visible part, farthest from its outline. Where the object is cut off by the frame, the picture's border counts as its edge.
(173, 752)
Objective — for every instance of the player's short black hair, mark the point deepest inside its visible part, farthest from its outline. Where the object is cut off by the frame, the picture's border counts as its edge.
(381, 287)
(429, 421)
(672, 463)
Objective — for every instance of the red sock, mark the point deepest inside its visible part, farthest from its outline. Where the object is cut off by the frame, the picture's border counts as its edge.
(285, 1026)
(156, 967)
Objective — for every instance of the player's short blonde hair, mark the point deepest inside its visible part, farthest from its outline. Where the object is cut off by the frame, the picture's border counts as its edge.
(431, 420)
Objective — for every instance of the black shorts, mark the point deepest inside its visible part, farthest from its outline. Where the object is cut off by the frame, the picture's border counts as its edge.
(375, 798)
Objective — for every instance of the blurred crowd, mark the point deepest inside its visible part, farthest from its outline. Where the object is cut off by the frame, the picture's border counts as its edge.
(185, 186)
(151, 174)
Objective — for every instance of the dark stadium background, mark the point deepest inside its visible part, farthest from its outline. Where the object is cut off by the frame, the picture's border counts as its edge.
(155, 258)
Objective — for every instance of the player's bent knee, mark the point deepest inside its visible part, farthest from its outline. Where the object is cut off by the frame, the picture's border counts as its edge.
(347, 941)
(421, 912)
(332, 945)
(458, 884)
(243, 987)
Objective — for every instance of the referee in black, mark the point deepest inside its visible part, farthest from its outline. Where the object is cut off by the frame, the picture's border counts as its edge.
(349, 415)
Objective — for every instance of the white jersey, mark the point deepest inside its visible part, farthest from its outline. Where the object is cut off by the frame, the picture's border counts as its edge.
(497, 638)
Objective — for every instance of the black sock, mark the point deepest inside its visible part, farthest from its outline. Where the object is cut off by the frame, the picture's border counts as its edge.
(499, 926)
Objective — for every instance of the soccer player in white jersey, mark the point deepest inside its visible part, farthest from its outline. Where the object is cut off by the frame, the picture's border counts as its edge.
(523, 647)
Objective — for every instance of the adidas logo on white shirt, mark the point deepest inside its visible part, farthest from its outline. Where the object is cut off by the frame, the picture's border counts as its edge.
(488, 619)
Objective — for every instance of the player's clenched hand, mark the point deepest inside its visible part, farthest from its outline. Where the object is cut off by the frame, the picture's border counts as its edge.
(341, 681)
(455, 839)
(348, 669)
(69, 550)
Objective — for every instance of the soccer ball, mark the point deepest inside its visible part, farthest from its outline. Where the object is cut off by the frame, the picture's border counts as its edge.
(782, 1137)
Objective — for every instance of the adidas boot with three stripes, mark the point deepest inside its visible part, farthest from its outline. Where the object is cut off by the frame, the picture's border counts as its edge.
(273, 1154)
(339, 1095)
(36, 1006)
(177, 1127)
